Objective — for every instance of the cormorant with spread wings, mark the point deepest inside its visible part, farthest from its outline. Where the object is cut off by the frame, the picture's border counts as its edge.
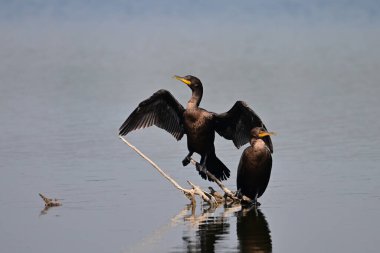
(199, 125)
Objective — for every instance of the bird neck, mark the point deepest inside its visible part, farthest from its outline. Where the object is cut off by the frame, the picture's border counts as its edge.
(196, 97)
(258, 144)
(253, 141)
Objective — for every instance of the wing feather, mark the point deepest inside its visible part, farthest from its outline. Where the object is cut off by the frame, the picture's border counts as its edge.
(162, 110)
(236, 124)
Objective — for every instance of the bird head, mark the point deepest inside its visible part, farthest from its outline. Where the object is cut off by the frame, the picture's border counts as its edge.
(191, 81)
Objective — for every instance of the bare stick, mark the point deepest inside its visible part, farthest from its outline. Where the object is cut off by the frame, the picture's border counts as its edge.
(227, 191)
(196, 190)
(188, 193)
(204, 195)
(154, 165)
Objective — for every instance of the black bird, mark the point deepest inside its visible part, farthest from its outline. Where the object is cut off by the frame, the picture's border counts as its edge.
(255, 166)
(164, 111)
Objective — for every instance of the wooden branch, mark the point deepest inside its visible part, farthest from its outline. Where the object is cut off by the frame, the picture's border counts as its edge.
(212, 199)
(204, 195)
(227, 191)
(188, 193)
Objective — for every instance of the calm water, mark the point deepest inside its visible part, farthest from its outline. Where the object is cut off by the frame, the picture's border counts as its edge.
(70, 76)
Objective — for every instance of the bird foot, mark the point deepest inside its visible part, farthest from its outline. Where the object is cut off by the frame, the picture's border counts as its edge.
(186, 161)
(251, 204)
(256, 203)
(238, 194)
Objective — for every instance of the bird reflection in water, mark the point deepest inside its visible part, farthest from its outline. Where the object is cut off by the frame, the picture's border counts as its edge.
(252, 230)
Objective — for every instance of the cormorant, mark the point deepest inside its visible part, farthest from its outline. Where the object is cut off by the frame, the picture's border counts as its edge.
(255, 166)
(164, 111)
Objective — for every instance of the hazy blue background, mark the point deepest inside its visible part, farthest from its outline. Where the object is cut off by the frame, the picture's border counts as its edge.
(72, 71)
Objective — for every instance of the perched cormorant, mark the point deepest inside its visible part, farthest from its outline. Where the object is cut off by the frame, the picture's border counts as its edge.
(255, 166)
(164, 111)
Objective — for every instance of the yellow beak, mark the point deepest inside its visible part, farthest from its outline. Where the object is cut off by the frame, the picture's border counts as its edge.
(182, 80)
(263, 134)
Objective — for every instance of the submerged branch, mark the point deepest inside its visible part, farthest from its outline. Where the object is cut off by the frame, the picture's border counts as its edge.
(49, 202)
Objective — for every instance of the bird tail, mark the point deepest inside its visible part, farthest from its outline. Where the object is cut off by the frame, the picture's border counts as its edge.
(215, 167)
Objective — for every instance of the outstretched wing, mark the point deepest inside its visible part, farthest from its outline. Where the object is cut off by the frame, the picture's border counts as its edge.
(236, 124)
(162, 110)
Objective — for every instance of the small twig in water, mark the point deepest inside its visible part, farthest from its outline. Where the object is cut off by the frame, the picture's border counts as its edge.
(50, 202)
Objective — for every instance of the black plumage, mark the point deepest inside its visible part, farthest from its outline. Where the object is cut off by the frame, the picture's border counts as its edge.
(162, 110)
(236, 124)
(255, 166)
(199, 125)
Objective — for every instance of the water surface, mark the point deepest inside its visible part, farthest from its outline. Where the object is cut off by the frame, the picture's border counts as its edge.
(70, 75)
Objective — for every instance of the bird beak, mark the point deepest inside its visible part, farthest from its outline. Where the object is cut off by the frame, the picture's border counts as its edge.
(264, 133)
(182, 79)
